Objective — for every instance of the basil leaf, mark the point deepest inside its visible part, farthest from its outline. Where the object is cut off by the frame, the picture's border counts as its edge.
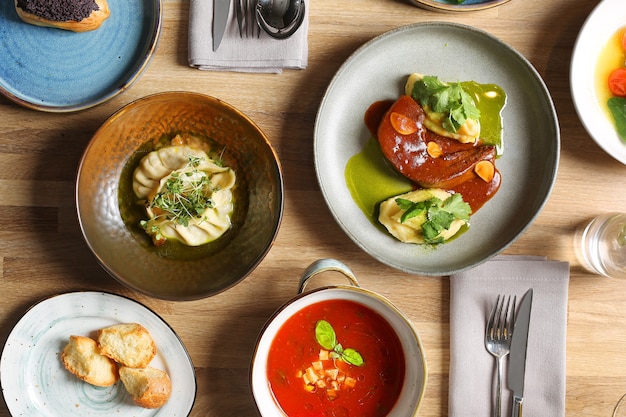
(617, 106)
(450, 99)
(459, 208)
(325, 335)
(352, 357)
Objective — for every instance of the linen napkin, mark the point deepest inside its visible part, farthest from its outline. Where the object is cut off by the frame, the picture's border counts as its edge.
(472, 369)
(263, 54)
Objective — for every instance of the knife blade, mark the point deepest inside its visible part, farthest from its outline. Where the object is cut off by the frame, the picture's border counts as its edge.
(517, 356)
(221, 9)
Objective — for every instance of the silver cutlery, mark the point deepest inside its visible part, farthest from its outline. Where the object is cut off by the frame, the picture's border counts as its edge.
(280, 18)
(246, 20)
(498, 341)
(221, 9)
(517, 359)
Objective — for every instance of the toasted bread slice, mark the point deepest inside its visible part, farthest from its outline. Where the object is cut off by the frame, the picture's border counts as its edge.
(149, 387)
(129, 344)
(82, 358)
(92, 22)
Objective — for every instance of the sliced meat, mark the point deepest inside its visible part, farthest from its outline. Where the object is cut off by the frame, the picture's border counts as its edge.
(408, 152)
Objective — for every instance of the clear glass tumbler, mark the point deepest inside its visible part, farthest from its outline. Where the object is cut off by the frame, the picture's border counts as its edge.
(602, 245)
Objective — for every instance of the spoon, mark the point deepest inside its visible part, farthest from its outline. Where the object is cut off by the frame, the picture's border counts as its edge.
(280, 18)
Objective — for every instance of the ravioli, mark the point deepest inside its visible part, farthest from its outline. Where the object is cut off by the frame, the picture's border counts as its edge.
(188, 195)
(410, 231)
(467, 133)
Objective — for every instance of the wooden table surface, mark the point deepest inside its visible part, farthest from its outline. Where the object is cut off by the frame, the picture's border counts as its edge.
(42, 251)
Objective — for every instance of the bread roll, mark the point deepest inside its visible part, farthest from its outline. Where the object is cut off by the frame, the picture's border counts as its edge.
(81, 357)
(129, 344)
(35, 13)
(149, 387)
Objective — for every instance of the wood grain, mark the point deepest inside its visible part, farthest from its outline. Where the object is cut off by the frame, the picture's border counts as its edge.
(42, 251)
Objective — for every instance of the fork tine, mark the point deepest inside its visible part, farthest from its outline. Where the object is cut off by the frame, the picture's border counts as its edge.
(491, 321)
(245, 16)
(239, 12)
(258, 27)
(511, 321)
(252, 17)
(503, 315)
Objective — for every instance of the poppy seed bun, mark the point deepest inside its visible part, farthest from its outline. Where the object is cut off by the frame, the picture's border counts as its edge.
(129, 344)
(81, 357)
(149, 387)
(92, 22)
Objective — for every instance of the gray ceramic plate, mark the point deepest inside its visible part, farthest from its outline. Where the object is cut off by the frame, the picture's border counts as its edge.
(378, 71)
(35, 383)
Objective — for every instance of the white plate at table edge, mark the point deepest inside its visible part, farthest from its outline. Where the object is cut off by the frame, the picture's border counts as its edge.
(605, 19)
(35, 383)
(380, 68)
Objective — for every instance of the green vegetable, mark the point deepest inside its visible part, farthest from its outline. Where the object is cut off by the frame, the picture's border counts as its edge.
(185, 195)
(617, 106)
(326, 337)
(450, 99)
(439, 214)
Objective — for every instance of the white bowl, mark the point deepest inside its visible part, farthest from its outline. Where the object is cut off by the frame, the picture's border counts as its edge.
(606, 19)
(414, 384)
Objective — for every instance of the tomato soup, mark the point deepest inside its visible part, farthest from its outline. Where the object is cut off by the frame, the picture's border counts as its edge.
(336, 358)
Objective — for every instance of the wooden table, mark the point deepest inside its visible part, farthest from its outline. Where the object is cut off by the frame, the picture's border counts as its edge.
(42, 251)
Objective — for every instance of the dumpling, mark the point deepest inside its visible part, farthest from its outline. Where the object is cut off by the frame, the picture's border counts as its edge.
(160, 163)
(194, 175)
(410, 231)
(207, 227)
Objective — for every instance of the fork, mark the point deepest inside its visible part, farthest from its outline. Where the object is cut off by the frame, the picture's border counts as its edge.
(498, 340)
(246, 19)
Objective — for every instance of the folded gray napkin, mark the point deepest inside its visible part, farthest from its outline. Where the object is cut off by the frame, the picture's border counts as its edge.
(472, 369)
(263, 54)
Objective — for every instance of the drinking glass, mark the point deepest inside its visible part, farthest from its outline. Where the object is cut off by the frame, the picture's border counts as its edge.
(601, 245)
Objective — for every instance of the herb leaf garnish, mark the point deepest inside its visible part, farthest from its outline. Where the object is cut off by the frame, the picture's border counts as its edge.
(439, 214)
(185, 195)
(617, 106)
(326, 337)
(450, 99)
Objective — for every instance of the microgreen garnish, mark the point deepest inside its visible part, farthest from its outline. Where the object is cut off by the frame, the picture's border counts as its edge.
(326, 337)
(184, 195)
(439, 214)
(450, 99)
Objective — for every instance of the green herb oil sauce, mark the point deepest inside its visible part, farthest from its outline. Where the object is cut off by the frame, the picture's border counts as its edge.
(371, 179)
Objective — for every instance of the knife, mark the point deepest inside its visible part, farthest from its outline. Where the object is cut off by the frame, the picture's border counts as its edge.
(221, 8)
(517, 357)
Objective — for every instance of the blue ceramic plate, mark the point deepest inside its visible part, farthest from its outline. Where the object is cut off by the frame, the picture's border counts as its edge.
(453, 6)
(35, 383)
(56, 70)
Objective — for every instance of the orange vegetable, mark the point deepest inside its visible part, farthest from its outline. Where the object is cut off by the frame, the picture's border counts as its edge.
(402, 124)
(617, 82)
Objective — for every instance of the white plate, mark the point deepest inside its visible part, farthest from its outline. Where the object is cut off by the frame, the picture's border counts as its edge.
(36, 384)
(378, 71)
(607, 18)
